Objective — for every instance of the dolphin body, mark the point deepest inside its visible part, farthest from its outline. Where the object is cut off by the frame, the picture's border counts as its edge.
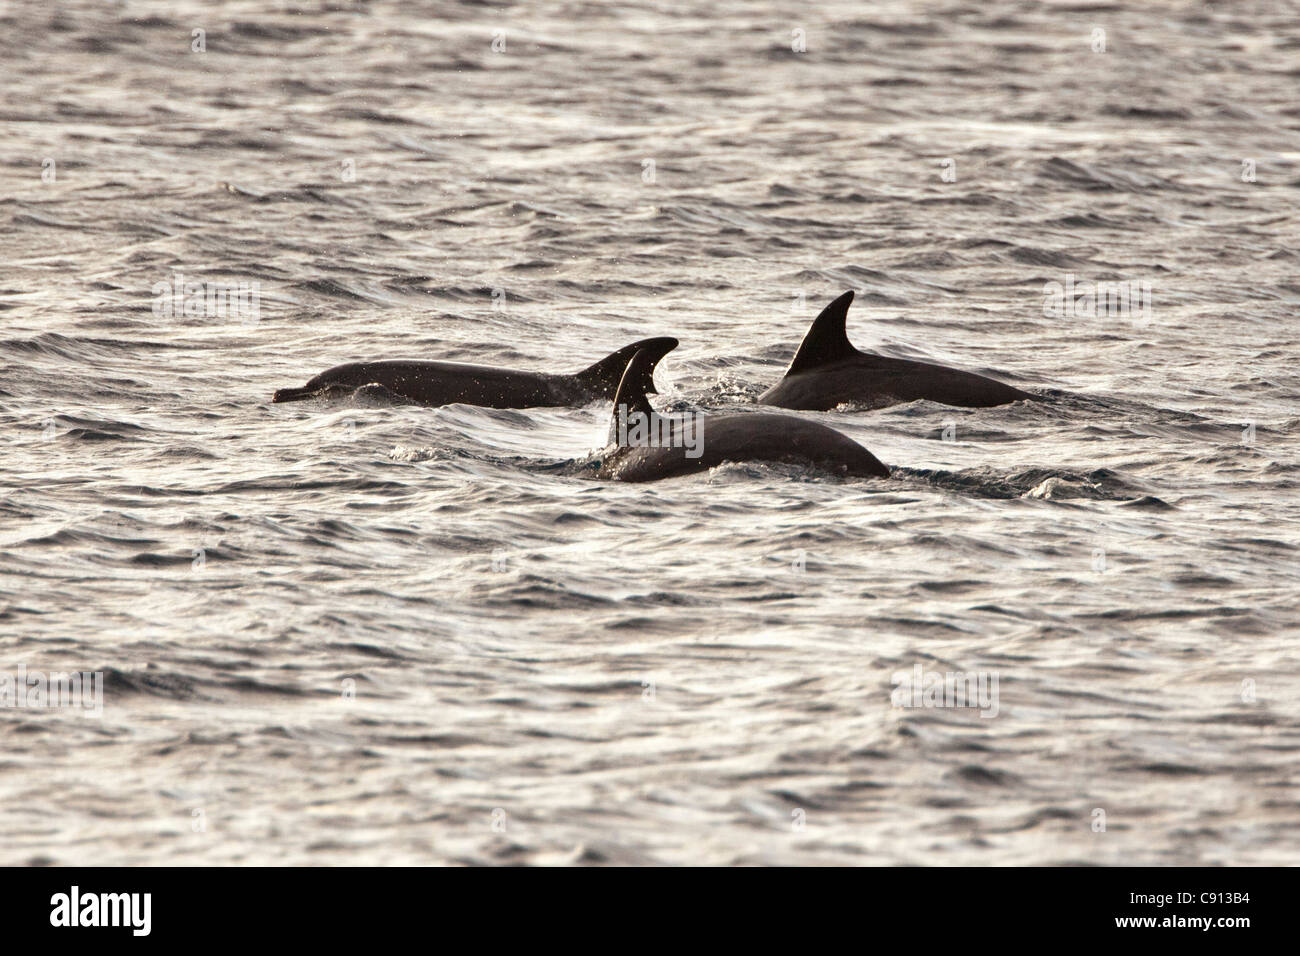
(648, 446)
(827, 371)
(446, 383)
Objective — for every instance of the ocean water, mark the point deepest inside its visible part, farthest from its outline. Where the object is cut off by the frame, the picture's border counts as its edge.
(352, 632)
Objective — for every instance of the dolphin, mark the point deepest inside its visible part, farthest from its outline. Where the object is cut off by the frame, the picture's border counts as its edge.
(445, 383)
(647, 446)
(828, 371)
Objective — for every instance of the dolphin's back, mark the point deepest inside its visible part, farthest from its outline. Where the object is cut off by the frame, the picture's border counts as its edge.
(828, 371)
(748, 437)
(448, 383)
(702, 442)
(876, 381)
(763, 437)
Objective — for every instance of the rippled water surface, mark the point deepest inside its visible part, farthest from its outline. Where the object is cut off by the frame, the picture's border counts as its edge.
(348, 631)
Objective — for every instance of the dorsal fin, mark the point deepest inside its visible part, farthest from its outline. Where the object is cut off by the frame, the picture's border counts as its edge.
(603, 377)
(826, 341)
(631, 395)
